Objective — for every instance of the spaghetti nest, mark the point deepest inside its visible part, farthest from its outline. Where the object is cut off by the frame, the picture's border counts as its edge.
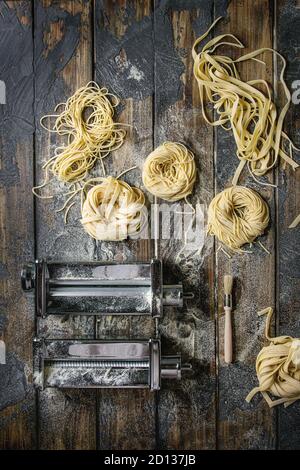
(236, 216)
(241, 106)
(87, 121)
(278, 368)
(112, 209)
(169, 172)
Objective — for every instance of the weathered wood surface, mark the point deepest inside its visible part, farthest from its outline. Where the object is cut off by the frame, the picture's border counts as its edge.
(17, 401)
(63, 62)
(126, 417)
(243, 425)
(186, 409)
(288, 266)
(141, 50)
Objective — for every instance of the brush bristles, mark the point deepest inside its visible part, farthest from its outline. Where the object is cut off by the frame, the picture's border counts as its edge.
(228, 281)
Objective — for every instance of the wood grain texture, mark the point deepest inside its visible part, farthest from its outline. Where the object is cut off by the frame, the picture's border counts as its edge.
(186, 409)
(288, 267)
(124, 64)
(141, 50)
(63, 62)
(242, 425)
(17, 400)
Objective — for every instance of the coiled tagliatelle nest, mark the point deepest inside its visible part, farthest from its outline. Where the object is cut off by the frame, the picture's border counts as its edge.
(278, 368)
(169, 172)
(112, 209)
(236, 216)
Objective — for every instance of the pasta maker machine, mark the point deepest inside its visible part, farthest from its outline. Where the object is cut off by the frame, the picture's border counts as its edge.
(103, 364)
(100, 289)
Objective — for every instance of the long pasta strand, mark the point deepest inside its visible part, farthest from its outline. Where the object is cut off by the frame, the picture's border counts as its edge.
(241, 106)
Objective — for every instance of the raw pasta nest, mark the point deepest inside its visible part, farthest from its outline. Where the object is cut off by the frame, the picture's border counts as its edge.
(236, 216)
(87, 121)
(278, 368)
(169, 172)
(112, 209)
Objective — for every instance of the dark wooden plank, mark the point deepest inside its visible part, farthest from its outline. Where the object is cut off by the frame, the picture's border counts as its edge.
(124, 64)
(288, 301)
(186, 409)
(17, 400)
(63, 62)
(242, 425)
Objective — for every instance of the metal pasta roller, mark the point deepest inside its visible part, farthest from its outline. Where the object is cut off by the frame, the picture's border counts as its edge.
(103, 364)
(100, 289)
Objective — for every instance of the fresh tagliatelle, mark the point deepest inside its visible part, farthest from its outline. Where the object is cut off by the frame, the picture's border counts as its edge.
(112, 209)
(278, 368)
(241, 106)
(237, 216)
(169, 172)
(86, 120)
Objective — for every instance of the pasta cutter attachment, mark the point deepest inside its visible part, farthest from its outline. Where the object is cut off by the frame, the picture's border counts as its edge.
(103, 364)
(100, 289)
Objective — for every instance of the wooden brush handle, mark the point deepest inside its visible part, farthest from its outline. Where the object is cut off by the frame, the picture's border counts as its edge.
(228, 336)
